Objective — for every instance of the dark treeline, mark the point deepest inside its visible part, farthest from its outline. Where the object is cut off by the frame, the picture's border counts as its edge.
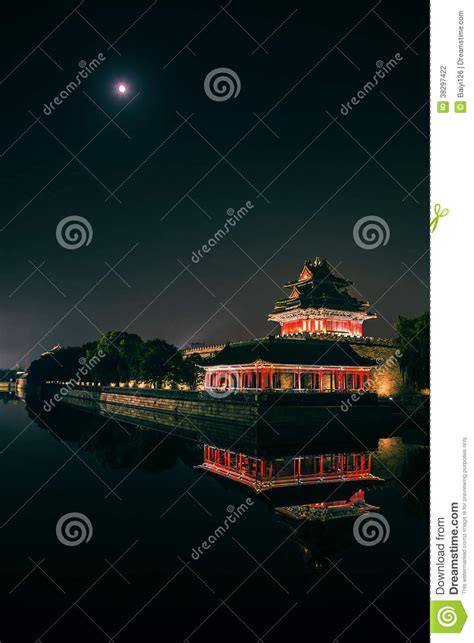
(118, 358)
(413, 339)
(7, 375)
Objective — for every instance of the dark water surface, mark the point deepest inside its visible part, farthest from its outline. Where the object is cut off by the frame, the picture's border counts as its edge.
(266, 578)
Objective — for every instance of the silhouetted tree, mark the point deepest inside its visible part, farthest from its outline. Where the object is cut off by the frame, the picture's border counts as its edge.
(413, 339)
(62, 365)
(7, 374)
(191, 373)
(115, 358)
(122, 354)
(161, 363)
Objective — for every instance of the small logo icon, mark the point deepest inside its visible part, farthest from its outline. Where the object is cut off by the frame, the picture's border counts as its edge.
(439, 214)
(447, 617)
(371, 529)
(221, 84)
(371, 232)
(443, 106)
(460, 106)
(74, 232)
(74, 529)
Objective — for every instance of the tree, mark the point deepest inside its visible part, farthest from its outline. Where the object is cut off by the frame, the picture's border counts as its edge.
(122, 353)
(62, 365)
(7, 374)
(161, 363)
(117, 357)
(413, 340)
(191, 373)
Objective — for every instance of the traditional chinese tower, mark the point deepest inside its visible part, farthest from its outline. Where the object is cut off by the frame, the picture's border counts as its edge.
(318, 303)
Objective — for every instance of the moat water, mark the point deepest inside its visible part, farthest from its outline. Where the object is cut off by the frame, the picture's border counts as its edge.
(265, 577)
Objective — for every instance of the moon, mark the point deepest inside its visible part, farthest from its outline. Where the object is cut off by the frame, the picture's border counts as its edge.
(122, 88)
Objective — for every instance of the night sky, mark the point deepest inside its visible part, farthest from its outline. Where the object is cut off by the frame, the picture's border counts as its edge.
(310, 179)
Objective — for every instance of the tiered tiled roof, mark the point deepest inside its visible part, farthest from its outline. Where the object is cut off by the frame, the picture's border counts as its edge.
(318, 287)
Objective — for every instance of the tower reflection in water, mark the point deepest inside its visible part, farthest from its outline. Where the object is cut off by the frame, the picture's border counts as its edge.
(316, 495)
(345, 470)
(314, 485)
(262, 474)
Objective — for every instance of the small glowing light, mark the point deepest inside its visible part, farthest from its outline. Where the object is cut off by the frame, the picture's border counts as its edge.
(122, 88)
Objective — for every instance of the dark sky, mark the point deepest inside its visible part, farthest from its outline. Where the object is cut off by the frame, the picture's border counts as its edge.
(317, 178)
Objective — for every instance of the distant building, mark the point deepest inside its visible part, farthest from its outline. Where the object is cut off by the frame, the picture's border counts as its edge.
(204, 350)
(52, 351)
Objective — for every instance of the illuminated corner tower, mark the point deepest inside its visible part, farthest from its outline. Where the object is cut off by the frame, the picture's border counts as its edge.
(318, 303)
